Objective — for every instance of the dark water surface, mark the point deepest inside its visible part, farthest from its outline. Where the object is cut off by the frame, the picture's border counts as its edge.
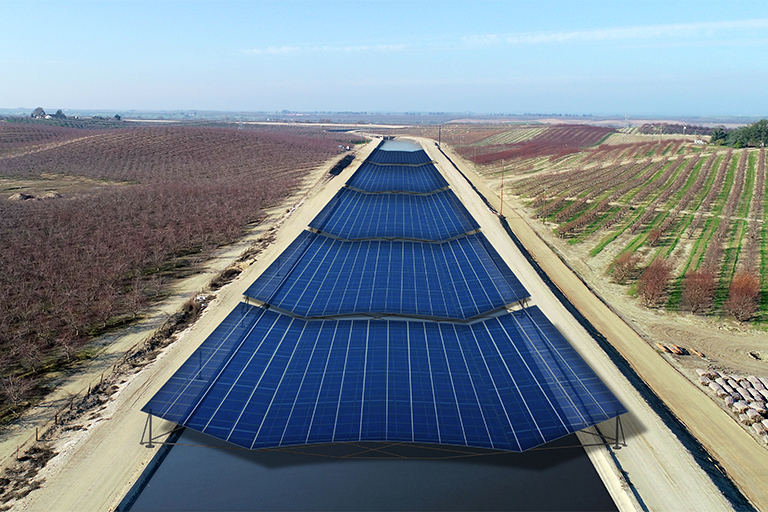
(193, 478)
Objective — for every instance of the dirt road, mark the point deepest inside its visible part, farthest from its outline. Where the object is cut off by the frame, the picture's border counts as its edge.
(663, 471)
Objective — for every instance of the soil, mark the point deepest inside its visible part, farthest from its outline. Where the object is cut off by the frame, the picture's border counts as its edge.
(49, 187)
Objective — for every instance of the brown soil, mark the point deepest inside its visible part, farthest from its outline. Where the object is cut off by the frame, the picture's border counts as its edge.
(49, 186)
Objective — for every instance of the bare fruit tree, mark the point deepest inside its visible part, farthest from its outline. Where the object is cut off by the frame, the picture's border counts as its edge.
(743, 296)
(652, 286)
(698, 288)
(624, 266)
(15, 389)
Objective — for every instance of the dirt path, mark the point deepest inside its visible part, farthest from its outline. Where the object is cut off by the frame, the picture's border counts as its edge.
(14, 153)
(97, 466)
(663, 471)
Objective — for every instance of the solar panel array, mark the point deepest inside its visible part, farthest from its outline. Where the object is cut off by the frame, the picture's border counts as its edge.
(399, 157)
(386, 320)
(421, 179)
(264, 379)
(318, 276)
(354, 215)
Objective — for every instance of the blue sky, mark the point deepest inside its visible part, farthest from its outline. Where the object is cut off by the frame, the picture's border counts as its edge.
(602, 58)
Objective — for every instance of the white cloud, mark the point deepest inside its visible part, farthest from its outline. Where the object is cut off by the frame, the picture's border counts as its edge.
(640, 33)
(273, 50)
(276, 50)
(681, 33)
(481, 41)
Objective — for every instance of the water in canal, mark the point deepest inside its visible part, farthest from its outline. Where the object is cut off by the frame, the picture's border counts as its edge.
(213, 478)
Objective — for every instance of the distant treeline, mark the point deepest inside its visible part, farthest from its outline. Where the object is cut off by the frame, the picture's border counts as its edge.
(753, 135)
(89, 123)
(673, 129)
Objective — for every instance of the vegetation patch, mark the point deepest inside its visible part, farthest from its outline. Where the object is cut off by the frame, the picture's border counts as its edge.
(92, 260)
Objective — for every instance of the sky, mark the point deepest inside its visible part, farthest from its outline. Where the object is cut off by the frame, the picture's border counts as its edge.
(650, 58)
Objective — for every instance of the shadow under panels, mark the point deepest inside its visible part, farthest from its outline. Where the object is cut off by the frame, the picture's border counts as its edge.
(264, 379)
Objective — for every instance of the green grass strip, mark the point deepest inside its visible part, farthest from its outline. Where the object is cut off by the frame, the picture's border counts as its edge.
(710, 226)
(688, 184)
(613, 236)
(595, 225)
(680, 228)
(640, 239)
(629, 196)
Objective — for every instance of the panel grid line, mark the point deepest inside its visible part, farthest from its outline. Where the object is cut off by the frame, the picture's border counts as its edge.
(410, 378)
(322, 381)
(514, 381)
(266, 367)
(538, 384)
(211, 357)
(474, 389)
(301, 386)
(453, 386)
(365, 373)
(341, 388)
(432, 383)
(496, 390)
(277, 388)
(586, 389)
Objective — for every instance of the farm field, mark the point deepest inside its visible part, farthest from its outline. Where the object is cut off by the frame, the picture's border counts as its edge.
(692, 213)
(97, 224)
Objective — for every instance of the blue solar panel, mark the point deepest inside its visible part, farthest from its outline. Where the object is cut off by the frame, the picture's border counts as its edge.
(510, 382)
(394, 246)
(421, 179)
(354, 215)
(399, 157)
(319, 276)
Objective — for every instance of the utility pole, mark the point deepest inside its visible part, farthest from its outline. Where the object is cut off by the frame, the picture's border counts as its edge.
(626, 128)
(501, 206)
(439, 134)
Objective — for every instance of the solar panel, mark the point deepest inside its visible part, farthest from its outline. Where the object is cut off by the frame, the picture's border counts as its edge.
(354, 215)
(420, 179)
(319, 276)
(438, 361)
(399, 157)
(264, 379)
